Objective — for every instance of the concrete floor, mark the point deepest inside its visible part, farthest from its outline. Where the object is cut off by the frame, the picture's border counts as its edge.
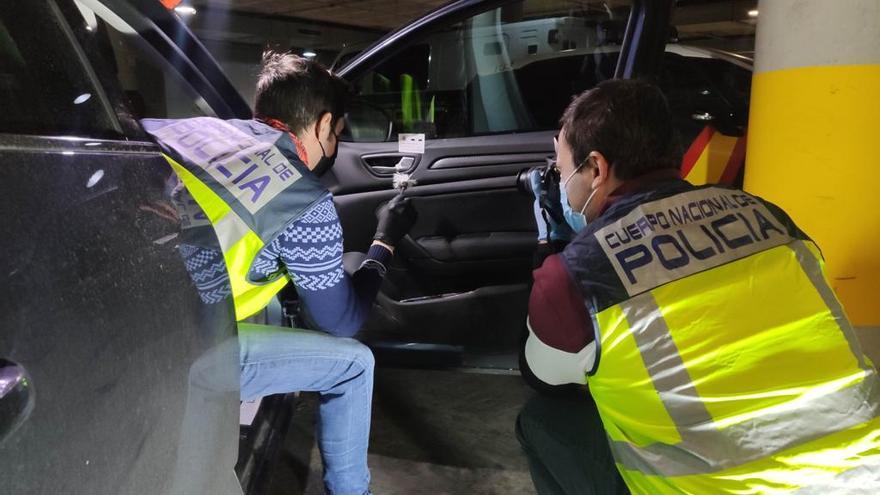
(438, 432)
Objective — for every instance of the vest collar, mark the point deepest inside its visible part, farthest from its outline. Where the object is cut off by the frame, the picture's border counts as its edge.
(281, 126)
(639, 184)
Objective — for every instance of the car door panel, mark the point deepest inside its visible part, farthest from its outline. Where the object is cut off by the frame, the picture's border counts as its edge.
(486, 167)
(444, 160)
(486, 87)
(485, 319)
(472, 246)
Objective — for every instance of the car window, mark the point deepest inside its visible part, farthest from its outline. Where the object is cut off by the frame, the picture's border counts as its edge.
(706, 76)
(45, 84)
(703, 88)
(150, 87)
(509, 69)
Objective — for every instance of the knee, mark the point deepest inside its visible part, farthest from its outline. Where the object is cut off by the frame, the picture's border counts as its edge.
(360, 355)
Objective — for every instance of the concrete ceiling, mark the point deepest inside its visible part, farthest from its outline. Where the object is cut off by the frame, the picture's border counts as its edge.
(386, 15)
(722, 24)
(374, 14)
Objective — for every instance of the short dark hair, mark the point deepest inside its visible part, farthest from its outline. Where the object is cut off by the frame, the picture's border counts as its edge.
(629, 122)
(297, 90)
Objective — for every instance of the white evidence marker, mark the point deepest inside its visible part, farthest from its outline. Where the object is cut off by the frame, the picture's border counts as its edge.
(411, 143)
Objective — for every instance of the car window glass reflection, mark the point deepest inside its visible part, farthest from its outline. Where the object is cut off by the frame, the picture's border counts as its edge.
(46, 91)
(151, 87)
(509, 69)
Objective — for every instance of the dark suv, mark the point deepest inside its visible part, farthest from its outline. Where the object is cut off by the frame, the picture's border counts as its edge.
(118, 372)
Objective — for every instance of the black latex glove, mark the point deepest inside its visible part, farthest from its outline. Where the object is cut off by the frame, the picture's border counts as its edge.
(395, 220)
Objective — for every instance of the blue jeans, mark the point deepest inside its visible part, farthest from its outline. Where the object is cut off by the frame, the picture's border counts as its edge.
(280, 360)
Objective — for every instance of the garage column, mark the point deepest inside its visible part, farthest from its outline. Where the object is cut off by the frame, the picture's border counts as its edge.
(814, 137)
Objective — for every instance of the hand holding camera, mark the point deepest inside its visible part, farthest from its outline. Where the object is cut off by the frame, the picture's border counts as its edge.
(542, 183)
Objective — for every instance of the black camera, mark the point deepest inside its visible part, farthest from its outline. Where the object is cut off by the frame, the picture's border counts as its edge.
(548, 177)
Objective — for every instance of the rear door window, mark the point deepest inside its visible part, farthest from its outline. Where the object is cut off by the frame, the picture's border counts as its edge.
(706, 76)
(46, 86)
(150, 86)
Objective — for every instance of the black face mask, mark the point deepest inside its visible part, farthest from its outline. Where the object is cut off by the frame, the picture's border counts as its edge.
(325, 162)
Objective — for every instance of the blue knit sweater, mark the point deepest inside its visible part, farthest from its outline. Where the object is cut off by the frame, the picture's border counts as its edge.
(309, 250)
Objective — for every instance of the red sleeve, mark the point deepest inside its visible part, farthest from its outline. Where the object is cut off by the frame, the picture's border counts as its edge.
(557, 313)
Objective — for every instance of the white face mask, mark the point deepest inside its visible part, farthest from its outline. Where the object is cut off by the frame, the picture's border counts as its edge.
(576, 220)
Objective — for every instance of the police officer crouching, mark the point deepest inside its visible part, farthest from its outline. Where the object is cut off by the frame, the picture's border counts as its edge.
(717, 357)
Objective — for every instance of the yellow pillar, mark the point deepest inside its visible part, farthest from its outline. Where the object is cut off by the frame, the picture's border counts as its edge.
(814, 136)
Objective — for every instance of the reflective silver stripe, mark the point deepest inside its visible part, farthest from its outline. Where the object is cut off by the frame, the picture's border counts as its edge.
(664, 364)
(813, 418)
(704, 447)
(814, 271)
(864, 480)
(230, 229)
(660, 459)
(708, 449)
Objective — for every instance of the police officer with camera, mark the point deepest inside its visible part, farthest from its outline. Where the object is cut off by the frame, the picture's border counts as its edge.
(717, 356)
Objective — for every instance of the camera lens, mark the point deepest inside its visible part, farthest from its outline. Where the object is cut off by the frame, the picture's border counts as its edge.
(523, 181)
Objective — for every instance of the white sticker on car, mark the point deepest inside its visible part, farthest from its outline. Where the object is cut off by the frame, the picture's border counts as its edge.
(411, 143)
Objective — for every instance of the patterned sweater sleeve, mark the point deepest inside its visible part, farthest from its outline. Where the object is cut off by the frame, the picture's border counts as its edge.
(310, 249)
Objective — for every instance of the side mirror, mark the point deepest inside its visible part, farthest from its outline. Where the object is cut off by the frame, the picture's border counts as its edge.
(366, 123)
(16, 397)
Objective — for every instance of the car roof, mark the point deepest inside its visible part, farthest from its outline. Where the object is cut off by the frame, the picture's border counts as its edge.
(701, 52)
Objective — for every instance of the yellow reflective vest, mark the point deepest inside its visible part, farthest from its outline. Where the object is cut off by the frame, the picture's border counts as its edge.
(250, 183)
(725, 362)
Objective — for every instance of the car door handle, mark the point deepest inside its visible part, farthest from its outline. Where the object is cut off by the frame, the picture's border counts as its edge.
(16, 397)
(381, 164)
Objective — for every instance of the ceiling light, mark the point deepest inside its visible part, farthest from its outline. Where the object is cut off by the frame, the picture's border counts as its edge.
(185, 10)
(82, 98)
(309, 54)
(753, 13)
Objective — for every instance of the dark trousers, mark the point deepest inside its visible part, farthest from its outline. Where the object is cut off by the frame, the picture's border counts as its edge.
(565, 443)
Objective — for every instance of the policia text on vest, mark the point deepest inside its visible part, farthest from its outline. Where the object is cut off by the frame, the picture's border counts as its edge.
(251, 184)
(254, 177)
(666, 240)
